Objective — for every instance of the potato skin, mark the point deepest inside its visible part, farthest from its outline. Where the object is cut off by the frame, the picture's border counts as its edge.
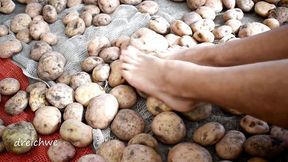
(9, 48)
(66, 76)
(8, 6)
(90, 63)
(180, 28)
(9, 86)
(206, 12)
(101, 73)
(75, 27)
(168, 127)
(229, 4)
(110, 54)
(234, 13)
(272, 23)
(159, 25)
(125, 95)
(140, 153)
(280, 13)
(60, 95)
(127, 124)
(155, 106)
(262, 8)
(148, 6)
(85, 92)
(37, 98)
(203, 24)
(49, 14)
(253, 125)
(24, 36)
(200, 112)
(91, 157)
(191, 17)
(37, 28)
(20, 22)
(97, 44)
(108, 6)
(73, 111)
(33, 9)
(144, 139)
(251, 29)
(188, 152)
(194, 4)
(111, 151)
(59, 5)
(62, 151)
(115, 77)
(79, 79)
(70, 16)
(204, 36)
(16, 104)
(245, 5)
(101, 20)
(39, 49)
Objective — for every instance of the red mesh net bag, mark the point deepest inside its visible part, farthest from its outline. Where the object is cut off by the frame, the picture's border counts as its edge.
(38, 153)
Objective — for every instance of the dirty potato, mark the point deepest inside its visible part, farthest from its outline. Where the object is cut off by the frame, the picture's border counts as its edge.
(49, 38)
(70, 16)
(159, 24)
(234, 13)
(279, 13)
(149, 7)
(38, 49)
(222, 31)
(140, 153)
(37, 98)
(272, 23)
(85, 92)
(111, 151)
(251, 29)
(229, 4)
(262, 8)
(75, 27)
(79, 79)
(97, 44)
(73, 3)
(204, 36)
(245, 5)
(180, 28)
(66, 76)
(61, 151)
(191, 17)
(101, 73)
(60, 95)
(115, 77)
(200, 112)
(216, 5)
(20, 22)
(110, 54)
(49, 14)
(144, 139)
(101, 19)
(172, 39)
(125, 95)
(37, 28)
(206, 12)
(10, 48)
(234, 24)
(33, 9)
(73, 111)
(16, 104)
(194, 4)
(89, 63)
(9, 86)
(7, 6)
(253, 125)
(203, 24)
(108, 6)
(155, 106)
(35, 85)
(24, 36)
(59, 5)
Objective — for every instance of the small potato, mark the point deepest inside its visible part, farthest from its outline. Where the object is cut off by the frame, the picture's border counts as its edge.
(101, 73)
(155, 106)
(51, 65)
(76, 132)
(194, 4)
(110, 54)
(101, 111)
(229, 4)
(180, 28)
(121, 42)
(256, 159)
(60, 95)
(234, 13)
(144, 139)
(49, 14)
(203, 36)
(33, 9)
(90, 63)
(159, 24)
(73, 3)
(97, 44)
(262, 8)
(125, 95)
(108, 6)
(59, 5)
(61, 151)
(251, 29)
(37, 98)
(172, 39)
(20, 22)
(111, 151)
(75, 27)
(253, 125)
(9, 86)
(127, 124)
(17, 104)
(280, 13)
(85, 92)
(222, 31)
(150, 7)
(38, 49)
(206, 12)
(70, 16)
(245, 5)
(263, 146)
(3, 30)
(131, 2)
(209, 133)
(91, 158)
(49, 38)
(10, 48)
(234, 24)
(79, 79)
(140, 153)
(189, 152)
(168, 127)
(115, 77)
(203, 24)
(47, 120)
(230, 146)
(35, 85)
(191, 17)
(101, 19)
(200, 112)
(7, 6)
(37, 28)
(66, 76)
(73, 111)
(272, 23)
(24, 36)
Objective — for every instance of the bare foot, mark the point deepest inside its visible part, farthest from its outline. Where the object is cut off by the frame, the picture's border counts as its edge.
(147, 74)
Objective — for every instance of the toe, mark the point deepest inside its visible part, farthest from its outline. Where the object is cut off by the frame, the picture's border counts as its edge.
(126, 74)
(127, 66)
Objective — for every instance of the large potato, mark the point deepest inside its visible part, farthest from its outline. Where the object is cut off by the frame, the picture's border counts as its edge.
(79, 79)
(75, 27)
(115, 77)
(73, 111)
(200, 112)
(7, 6)
(20, 22)
(61, 151)
(168, 127)
(203, 24)
(140, 153)
(111, 151)
(9, 48)
(76, 132)
(49, 14)
(194, 4)
(180, 28)
(9, 86)
(108, 6)
(89, 63)
(155, 106)
(38, 49)
(59, 5)
(187, 151)
(245, 5)
(262, 8)
(144, 139)
(110, 54)
(47, 120)
(253, 125)
(3, 30)
(85, 92)
(60, 95)
(148, 6)
(206, 12)
(101, 73)
(125, 95)
(127, 124)
(191, 17)
(251, 29)
(222, 31)
(66, 76)
(279, 13)
(24, 36)
(91, 158)
(16, 104)
(33, 9)
(37, 28)
(97, 44)
(37, 98)
(159, 24)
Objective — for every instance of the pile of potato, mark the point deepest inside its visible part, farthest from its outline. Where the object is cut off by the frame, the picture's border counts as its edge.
(79, 102)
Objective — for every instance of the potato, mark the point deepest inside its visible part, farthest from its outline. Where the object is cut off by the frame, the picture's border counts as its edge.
(263, 146)
(35, 85)
(24, 36)
(76, 132)
(73, 111)
(144, 139)
(101, 111)
(209, 133)
(59, 5)
(253, 28)
(200, 112)
(140, 153)
(222, 31)
(66, 76)
(108, 6)
(61, 151)
(97, 44)
(180, 28)
(230, 146)
(125, 95)
(49, 38)
(229, 4)
(203, 36)
(188, 152)
(148, 41)
(159, 24)
(7, 6)
(168, 127)
(33, 9)
(38, 49)
(16, 133)
(234, 13)
(20, 22)
(70, 16)
(17, 104)
(256, 159)
(87, 2)
(245, 5)
(148, 6)
(85, 92)
(101, 19)
(155, 106)
(87, 18)
(37, 28)
(191, 17)
(121, 42)
(253, 125)
(9, 48)
(47, 120)
(228, 38)
(131, 2)
(272, 23)
(172, 39)
(49, 14)
(38, 18)
(75, 27)
(127, 124)
(60, 95)
(111, 151)
(262, 8)
(90, 63)
(110, 54)
(203, 24)
(100, 73)
(206, 12)
(73, 3)
(234, 24)
(37, 98)
(280, 133)
(79, 79)
(194, 4)
(115, 77)
(216, 5)
(91, 158)
(280, 13)
(3, 30)
(51, 65)
(9, 86)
